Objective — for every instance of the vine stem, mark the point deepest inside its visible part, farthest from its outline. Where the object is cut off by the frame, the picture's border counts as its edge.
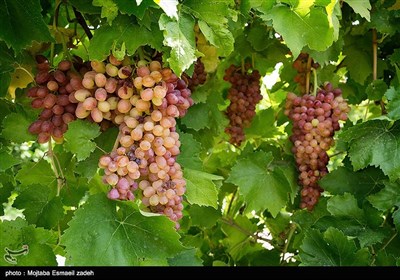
(82, 23)
(375, 64)
(289, 238)
(315, 81)
(232, 223)
(116, 143)
(388, 242)
(308, 75)
(243, 67)
(231, 202)
(51, 155)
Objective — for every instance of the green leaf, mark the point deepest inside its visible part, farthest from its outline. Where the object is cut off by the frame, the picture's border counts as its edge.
(262, 186)
(89, 166)
(263, 125)
(123, 30)
(360, 183)
(17, 233)
(79, 136)
(15, 128)
(127, 7)
(109, 9)
(360, 7)
(190, 150)
(116, 233)
(204, 216)
(85, 6)
(345, 206)
(21, 22)
(41, 206)
(179, 36)
(300, 28)
(357, 61)
(5, 80)
(393, 107)
(376, 89)
(213, 22)
(36, 173)
(332, 248)
(396, 219)
(201, 189)
(7, 160)
(5, 192)
(387, 197)
(238, 236)
(376, 143)
(196, 117)
(186, 258)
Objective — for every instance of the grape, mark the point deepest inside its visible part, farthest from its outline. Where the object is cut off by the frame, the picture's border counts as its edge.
(314, 125)
(199, 76)
(303, 69)
(244, 94)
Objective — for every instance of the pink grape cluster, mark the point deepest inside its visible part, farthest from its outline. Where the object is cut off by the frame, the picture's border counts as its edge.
(315, 120)
(145, 104)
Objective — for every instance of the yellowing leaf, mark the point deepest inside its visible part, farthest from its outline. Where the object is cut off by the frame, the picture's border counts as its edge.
(21, 78)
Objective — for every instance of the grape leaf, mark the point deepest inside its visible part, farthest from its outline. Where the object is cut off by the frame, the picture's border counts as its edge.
(109, 9)
(116, 233)
(396, 219)
(7, 160)
(5, 80)
(179, 36)
(123, 30)
(387, 197)
(238, 236)
(300, 28)
(186, 258)
(357, 60)
(5, 192)
(88, 167)
(332, 248)
(36, 173)
(376, 89)
(393, 107)
(15, 128)
(20, 79)
(203, 216)
(375, 142)
(137, 9)
(345, 205)
(360, 183)
(196, 118)
(201, 189)
(85, 6)
(262, 185)
(79, 136)
(360, 7)
(169, 7)
(41, 206)
(262, 126)
(190, 150)
(17, 233)
(21, 22)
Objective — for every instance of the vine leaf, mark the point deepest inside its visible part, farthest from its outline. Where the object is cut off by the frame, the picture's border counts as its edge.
(138, 9)
(15, 128)
(116, 233)
(332, 248)
(262, 185)
(41, 206)
(190, 151)
(186, 258)
(109, 9)
(360, 7)
(387, 197)
(123, 30)
(36, 173)
(393, 107)
(21, 22)
(179, 36)
(376, 143)
(169, 7)
(299, 26)
(7, 160)
(17, 233)
(201, 189)
(79, 136)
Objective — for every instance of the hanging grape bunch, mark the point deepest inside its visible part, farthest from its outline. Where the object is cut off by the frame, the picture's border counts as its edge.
(244, 94)
(199, 76)
(315, 120)
(145, 101)
(54, 94)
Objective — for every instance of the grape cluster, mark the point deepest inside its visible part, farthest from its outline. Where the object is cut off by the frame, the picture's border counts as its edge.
(145, 106)
(301, 65)
(199, 76)
(315, 120)
(54, 94)
(244, 94)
